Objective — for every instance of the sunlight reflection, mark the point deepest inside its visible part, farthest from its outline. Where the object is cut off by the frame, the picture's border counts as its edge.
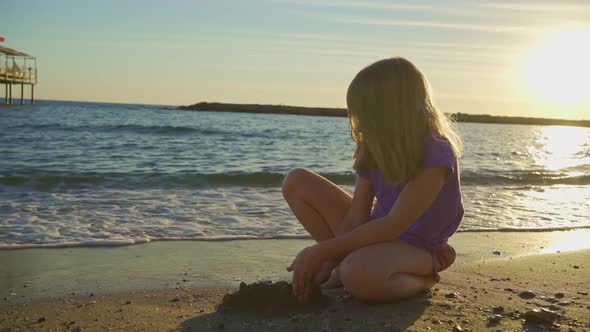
(559, 147)
(566, 241)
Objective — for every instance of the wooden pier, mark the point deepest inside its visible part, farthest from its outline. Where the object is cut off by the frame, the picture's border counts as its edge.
(17, 69)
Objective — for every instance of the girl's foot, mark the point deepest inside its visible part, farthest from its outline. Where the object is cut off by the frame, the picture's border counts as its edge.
(325, 274)
(334, 280)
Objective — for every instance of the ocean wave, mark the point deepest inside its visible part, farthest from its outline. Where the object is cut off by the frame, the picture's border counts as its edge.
(158, 130)
(132, 241)
(538, 178)
(259, 179)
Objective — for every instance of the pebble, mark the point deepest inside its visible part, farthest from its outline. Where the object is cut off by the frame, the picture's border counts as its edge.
(127, 302)
(91, 294)
(498, 310)
(176, 299)
(576, 267)
(494, 319)
(452, 295)
(540, 316)
(559, 295)
(457, 328)
(527, 295)
(497, 253)
(41, 320)
(582, 292)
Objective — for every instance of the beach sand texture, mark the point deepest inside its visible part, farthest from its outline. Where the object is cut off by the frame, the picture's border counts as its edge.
(482, 291)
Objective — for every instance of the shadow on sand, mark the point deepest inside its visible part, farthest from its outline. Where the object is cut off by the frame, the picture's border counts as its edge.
(342, 314)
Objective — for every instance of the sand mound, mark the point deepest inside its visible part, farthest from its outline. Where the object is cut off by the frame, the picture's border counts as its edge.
(270, 298)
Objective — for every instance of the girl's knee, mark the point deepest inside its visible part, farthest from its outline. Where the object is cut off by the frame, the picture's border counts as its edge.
(293, 180)
(363, 285)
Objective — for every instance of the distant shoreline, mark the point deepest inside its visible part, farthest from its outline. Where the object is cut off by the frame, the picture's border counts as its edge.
(341, 112)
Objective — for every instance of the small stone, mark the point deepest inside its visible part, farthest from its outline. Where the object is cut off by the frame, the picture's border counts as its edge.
(466, 321)
(176, 299)
(91, 294)
(498, 253)
(527, 295)
(127, 302)
(563, 303)
(493, 319)
(41, 320)
(576, 267)
(543, 316)
(498, 309)
(184, 280)
(559, 295)
(582, 292)
(452, 295)
(457, 328)
(201, 310)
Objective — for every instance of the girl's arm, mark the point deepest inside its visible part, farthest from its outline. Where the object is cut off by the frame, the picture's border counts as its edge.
(414, 200)
(360, 207)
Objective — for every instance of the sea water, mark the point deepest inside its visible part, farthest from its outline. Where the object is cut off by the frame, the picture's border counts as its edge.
(93, 174)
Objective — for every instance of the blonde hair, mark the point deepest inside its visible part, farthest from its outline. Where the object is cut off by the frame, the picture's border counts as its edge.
(392, 116)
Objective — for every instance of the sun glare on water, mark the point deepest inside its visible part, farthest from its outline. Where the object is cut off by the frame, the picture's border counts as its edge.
(558, 70)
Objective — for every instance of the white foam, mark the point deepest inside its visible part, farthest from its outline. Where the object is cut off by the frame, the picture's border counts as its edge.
(103, 218)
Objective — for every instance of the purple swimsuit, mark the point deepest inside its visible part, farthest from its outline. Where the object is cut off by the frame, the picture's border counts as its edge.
(441, 220)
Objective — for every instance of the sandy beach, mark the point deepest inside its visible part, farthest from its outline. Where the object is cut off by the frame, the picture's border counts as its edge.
(168, 286)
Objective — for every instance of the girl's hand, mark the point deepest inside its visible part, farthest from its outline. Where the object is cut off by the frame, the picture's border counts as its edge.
(305, 266)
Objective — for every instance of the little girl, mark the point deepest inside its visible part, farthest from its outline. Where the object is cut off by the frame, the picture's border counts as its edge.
(406, 157)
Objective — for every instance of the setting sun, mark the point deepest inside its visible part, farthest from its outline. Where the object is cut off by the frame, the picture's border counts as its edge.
(558, 69)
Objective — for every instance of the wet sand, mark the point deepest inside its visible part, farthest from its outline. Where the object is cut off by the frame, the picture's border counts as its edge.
(178, 286)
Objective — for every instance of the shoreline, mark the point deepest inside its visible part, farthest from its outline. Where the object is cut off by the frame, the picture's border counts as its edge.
(478, 295)
(44, 273)
(342, 112)
(140, 241)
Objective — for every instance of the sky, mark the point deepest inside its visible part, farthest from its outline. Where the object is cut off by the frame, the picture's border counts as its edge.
(515, 58)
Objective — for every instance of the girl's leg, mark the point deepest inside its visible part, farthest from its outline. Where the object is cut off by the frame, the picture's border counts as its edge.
(387, 271)
(320, 206)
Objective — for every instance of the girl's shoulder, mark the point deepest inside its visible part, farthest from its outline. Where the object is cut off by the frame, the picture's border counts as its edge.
(439, 152)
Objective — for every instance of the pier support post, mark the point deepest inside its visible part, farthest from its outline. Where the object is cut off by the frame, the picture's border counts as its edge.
(32, 94)
(6, 93)
(22, 92)
(10, 93)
